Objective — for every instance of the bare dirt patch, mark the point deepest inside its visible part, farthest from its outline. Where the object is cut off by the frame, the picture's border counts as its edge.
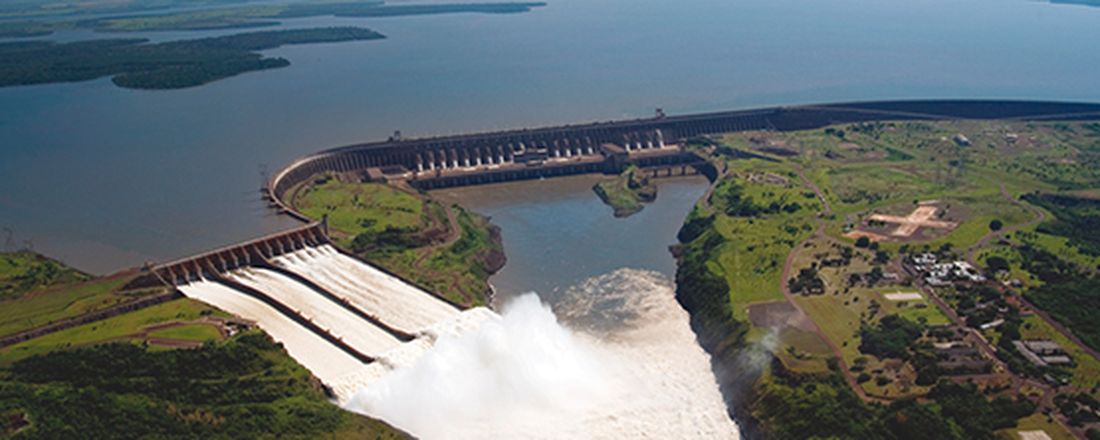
(905, 223)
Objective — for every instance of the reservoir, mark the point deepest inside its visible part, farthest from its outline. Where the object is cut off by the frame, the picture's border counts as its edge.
(104, 178)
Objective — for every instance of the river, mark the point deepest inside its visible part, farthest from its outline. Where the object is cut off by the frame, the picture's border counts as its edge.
(605, 351)
(106, 178)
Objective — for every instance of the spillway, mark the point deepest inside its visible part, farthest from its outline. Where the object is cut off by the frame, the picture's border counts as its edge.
(323, 359)
(391, 300)
(358, 333)
(345, 321)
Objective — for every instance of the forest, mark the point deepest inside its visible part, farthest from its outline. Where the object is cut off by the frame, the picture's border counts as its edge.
(137, 64)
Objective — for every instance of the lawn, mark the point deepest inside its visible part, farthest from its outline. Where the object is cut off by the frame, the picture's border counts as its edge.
(55, 303)
(118, 328)
(24, 271)
(356, 208)
(188, 332)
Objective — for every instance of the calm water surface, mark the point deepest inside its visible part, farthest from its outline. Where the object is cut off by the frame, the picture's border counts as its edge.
(558, 233)
(104, 177)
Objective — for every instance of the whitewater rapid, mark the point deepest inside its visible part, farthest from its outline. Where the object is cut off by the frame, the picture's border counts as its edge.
(615, 358)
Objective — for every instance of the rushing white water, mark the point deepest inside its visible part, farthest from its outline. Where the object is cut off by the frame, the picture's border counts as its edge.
(391, 300)
(625, 365)
(323, 359)
(359, 333)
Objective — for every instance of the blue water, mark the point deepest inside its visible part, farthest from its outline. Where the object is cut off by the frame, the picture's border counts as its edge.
(105, 178)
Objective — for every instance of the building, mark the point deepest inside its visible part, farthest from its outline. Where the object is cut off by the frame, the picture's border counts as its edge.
(1043, 352)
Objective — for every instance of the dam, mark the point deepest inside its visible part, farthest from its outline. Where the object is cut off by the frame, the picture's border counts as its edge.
(609, 147)
(353, 324)
(346, 321)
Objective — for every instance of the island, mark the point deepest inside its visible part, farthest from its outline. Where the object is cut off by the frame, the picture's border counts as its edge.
(137, 64)
(44, 19)
(627, 193)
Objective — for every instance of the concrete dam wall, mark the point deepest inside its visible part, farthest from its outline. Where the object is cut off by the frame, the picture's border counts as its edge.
(608, 146)
(345, 320)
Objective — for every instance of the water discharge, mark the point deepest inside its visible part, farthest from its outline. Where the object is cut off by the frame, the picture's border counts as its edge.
(615, 358)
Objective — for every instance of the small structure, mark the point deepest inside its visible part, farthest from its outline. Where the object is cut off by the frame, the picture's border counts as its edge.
(957, 358)
(1043, 352)
(925, 259)
(941, 274)
(961, 140)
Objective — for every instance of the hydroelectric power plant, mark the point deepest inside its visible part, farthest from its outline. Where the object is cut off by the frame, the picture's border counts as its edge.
(377, 341)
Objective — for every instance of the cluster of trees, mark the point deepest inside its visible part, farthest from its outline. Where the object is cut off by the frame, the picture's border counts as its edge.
(169, 65)
(807, 281)
(1079, 408)
(796, 407)
(892, 337)
(244, 388)
(1076, 303)
(390, 239)
(1075, 218)
(22, 272)
(737, 204)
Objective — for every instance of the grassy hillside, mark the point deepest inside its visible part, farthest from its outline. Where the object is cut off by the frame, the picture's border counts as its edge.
(246, 387)
(22, 272)
(178, 369)
(446, 249)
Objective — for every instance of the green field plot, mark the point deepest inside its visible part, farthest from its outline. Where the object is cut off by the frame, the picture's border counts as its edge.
(356, 208)
(59, 302)
(188, 332)
(126, 327)
(22, 272)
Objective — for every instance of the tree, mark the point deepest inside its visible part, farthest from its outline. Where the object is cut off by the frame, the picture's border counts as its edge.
(995, 225)
(996, 264)
(863, 242)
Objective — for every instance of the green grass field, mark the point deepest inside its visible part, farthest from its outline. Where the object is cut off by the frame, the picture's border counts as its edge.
(356, 208)
(56, 303)
(22, 272)
(119, 328)
(188, 332)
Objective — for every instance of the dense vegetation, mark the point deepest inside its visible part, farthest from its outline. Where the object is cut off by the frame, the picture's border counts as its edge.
(208, 18)
(172, 65)
(891, 338)
(1076, 303)
(1076, 218)
(797, 407)
(56, 8)
(22, 272)
(245, 388)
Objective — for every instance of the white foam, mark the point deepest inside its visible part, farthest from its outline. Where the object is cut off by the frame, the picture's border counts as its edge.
(637, 372)
(357, 332)
(391, 300)
(324, 360)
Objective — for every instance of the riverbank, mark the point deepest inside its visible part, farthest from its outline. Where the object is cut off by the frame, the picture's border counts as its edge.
(792, 264)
